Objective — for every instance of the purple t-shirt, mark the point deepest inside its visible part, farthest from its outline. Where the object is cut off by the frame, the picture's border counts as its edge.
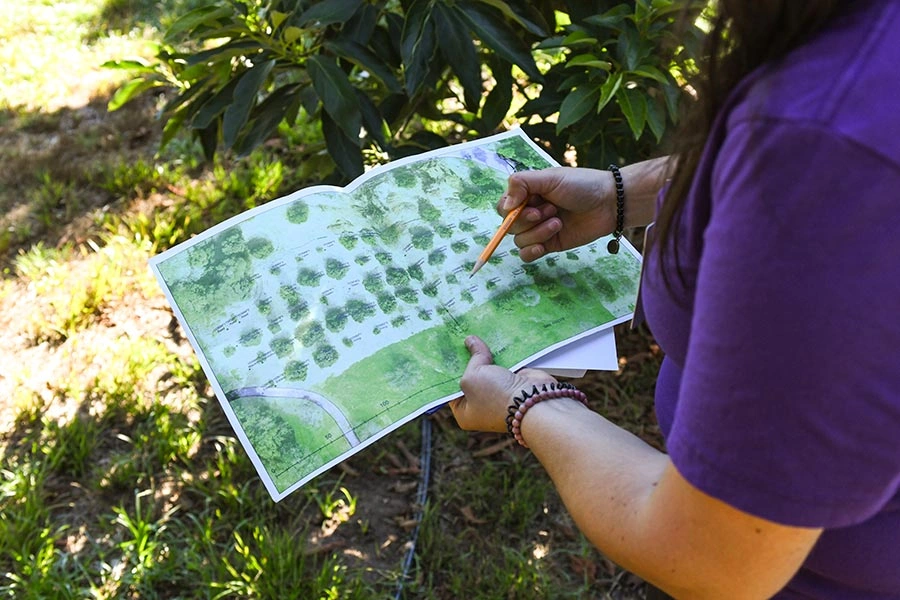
(780, 390)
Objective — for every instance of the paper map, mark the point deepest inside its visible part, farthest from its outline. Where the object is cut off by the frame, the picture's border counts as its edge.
(330, 317)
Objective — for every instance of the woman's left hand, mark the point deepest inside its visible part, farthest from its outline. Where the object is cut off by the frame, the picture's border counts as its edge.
(489, 389)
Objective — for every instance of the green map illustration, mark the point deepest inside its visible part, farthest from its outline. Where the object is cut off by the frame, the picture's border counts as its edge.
(328, 318)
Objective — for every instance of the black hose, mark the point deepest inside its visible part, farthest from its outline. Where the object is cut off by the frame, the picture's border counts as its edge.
(421, 499)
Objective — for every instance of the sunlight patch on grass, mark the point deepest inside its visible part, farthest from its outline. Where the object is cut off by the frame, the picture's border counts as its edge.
(47, 64)
(70, 287)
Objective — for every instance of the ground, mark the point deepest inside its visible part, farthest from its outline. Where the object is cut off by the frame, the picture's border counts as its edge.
(119, 459)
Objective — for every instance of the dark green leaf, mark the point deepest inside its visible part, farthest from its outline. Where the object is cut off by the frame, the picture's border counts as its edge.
(656, 118)
(245, 95)
(205, 15)
(555, 41)
(611, 19)
(344, 151)
(459, 52)
(514, 13)
(224, 52)
(428, 140)
(376, 127)
(329, 12)
(572, 81)
(337, 95)
(196, 94)
(577, 104)
(209, 139)
(578, 37)
(609, 89)
(588, 129)
(129, 91)
(588, 60)
(498, 101)
(365, 59)
(265, 118)
(393, 107)
(214, 106)
(651, 72)
(544, 105)
(634, 107)
(417, 45)
(386, 48)
(629, 48)
(672, 94)
(493, 31)
(362, 25)
(173, 126)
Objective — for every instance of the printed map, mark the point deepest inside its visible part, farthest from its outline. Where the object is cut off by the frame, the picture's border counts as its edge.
(328, 318)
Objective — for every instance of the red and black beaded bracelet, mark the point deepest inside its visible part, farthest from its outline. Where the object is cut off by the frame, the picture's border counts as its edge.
(521, 405)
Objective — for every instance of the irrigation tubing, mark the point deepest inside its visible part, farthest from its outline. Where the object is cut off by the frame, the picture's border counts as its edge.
(421, 498)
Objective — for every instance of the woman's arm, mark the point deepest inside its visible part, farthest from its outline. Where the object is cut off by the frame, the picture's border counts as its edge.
(630, 501)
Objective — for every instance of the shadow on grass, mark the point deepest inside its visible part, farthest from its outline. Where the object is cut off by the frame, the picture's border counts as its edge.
(123, 16)
(52, 165)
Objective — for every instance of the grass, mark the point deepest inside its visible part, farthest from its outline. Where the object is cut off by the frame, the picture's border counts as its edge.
(120, 475)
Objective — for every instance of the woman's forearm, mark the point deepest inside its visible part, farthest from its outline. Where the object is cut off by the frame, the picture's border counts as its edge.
(604, 474)
(630, 502)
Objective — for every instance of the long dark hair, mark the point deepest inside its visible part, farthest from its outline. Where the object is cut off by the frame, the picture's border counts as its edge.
(744, 35)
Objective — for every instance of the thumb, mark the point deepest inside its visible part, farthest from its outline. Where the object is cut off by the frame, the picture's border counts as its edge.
(481, 354)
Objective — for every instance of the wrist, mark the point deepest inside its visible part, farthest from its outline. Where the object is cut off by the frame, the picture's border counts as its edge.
(526, 402)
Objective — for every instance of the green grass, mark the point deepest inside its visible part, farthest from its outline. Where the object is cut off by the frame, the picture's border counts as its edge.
(120, 476)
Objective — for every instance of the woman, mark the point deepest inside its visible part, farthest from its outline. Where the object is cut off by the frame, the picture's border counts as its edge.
(772, 282)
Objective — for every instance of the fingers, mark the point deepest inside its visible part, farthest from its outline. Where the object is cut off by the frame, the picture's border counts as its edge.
(532, 253)
(541, 233)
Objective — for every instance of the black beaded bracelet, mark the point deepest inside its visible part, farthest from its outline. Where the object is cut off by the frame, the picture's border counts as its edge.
(613, 246)
(521, 405)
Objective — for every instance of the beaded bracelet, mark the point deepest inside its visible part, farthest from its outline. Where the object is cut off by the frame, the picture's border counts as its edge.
(613, 246)
(521, 405)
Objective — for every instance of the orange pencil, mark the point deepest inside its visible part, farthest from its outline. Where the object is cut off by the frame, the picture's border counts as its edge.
(495, 241)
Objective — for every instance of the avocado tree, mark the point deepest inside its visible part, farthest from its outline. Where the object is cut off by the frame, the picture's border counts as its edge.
(310, 334)
(359, 310)
(260, 247)
(308, 277)
(335, 319)
(325, 355)
(335, 268)
(296, 370)
(376, 74)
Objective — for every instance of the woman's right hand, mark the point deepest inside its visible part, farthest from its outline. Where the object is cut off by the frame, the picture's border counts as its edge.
(570, 206)
(567, 207)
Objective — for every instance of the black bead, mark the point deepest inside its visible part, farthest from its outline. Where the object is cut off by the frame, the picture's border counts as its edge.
(613, 246)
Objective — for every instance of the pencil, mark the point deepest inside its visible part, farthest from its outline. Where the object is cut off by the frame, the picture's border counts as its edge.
(495, 241)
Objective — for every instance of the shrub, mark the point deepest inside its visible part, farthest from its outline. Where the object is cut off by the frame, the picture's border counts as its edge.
(598, 75)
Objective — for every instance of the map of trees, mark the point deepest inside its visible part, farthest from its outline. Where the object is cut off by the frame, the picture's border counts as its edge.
(329, 317)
